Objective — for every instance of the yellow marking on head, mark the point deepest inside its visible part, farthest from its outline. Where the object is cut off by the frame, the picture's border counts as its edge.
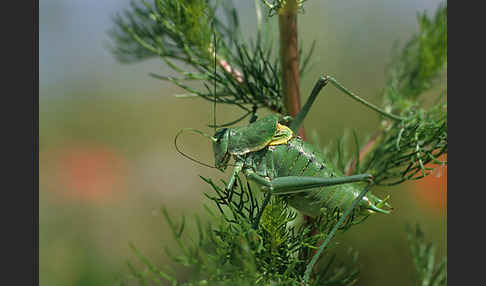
(282, 136)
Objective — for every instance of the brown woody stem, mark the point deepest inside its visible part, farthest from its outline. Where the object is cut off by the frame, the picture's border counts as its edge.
(289, 60)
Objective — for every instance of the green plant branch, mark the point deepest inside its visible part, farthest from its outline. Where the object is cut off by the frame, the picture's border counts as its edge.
(429, 272)
(398, 151)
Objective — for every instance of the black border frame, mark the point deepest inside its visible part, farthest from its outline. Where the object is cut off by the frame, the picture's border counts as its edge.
(20, 47)
(20, 117)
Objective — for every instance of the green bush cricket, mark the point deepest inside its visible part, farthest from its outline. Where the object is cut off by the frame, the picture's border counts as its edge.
(268, 152)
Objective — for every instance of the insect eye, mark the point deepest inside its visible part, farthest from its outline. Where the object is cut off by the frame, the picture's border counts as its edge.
(219, 134)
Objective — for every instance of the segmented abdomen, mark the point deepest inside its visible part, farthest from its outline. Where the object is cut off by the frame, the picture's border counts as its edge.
(298, 158)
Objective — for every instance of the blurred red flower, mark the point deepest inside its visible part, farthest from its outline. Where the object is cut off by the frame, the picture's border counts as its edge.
(431, 191)
(90, 172)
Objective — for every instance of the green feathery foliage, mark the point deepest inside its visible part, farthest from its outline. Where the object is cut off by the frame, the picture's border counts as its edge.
(404, 148)
(420, 64)
(230, 251)
(274, 6)
(246, 75)
(400, 149)
(201, 41)
(430, 273)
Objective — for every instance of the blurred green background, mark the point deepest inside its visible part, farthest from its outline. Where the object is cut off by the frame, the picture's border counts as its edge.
(108, 163)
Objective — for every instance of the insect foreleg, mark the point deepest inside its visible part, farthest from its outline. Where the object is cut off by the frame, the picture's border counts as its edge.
(297, 184)
(254, 115)
(236, 171)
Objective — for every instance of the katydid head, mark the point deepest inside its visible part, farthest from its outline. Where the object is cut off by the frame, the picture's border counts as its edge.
(220, 148)
(251, 138)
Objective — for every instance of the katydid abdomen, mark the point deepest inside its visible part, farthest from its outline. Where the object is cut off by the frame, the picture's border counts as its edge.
(299, 158)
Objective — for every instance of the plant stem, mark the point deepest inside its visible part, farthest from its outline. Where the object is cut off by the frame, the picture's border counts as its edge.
(365, 151)
(369, 147)
(289, 60)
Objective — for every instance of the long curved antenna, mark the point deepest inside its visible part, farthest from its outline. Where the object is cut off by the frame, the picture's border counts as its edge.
(187, 156)
(232, 122)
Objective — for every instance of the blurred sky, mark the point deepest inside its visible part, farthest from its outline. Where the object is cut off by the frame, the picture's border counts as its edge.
(73, 39)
